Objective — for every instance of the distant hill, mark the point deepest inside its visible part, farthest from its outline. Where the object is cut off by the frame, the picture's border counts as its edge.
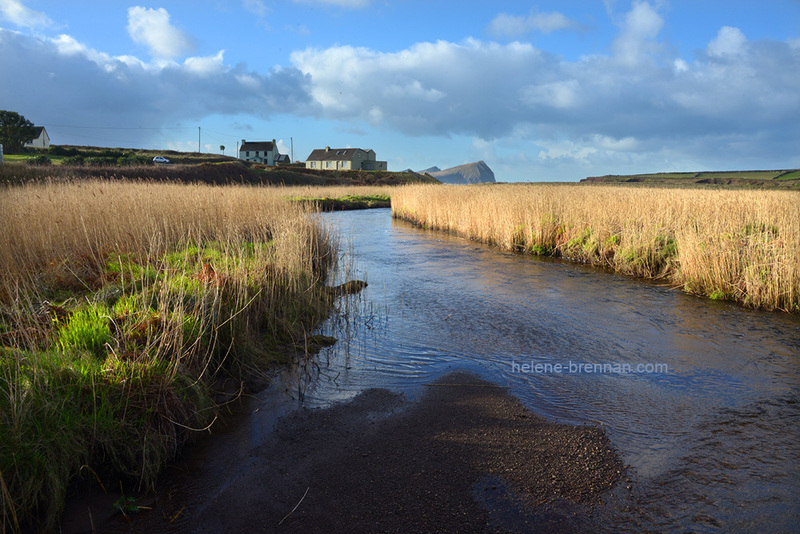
(431, 169)
(783, 179)
(469, 173)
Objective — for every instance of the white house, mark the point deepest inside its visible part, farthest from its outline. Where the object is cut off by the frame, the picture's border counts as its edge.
(41, 140)
(264, 152)
(348, 159)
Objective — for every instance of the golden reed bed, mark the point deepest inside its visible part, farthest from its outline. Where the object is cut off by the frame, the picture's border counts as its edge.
(726, 244)
(123, 305)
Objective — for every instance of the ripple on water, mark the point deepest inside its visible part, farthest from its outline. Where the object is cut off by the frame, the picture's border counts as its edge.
(713, 443)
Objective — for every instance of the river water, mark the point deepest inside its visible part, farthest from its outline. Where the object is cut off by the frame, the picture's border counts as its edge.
(699, 397)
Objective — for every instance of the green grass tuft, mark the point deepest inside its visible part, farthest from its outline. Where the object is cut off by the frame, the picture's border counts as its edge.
(87, 329)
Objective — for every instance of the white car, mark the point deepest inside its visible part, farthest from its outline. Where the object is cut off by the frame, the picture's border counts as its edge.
(160, 159)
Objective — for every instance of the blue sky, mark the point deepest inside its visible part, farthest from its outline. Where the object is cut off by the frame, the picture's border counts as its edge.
(541, 91)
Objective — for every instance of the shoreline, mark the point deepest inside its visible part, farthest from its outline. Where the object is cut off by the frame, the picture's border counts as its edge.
(726, 245)
(466, 456)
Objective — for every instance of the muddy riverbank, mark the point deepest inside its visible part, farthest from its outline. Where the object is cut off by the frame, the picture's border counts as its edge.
(465, 457)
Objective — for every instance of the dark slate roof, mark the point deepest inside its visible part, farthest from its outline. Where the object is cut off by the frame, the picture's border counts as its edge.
(259, 146)
(337, 154)
(37, 131)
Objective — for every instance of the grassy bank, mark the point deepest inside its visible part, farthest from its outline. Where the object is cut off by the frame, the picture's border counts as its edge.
(742, 246)
(347, 202)
(333, 198)
(121, 306)
(788, 179)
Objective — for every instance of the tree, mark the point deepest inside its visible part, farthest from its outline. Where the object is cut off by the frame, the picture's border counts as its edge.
(222, 149)
(15, 131)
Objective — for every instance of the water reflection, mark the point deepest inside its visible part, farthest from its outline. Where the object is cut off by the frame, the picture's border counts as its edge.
(713, 442)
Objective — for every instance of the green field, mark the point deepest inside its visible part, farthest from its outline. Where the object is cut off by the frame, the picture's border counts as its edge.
(767, 179)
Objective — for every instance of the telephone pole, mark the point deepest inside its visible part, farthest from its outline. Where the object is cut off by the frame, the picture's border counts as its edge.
(198, 139)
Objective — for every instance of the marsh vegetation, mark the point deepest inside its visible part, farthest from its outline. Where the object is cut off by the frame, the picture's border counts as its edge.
(122, 307)
(735, 245)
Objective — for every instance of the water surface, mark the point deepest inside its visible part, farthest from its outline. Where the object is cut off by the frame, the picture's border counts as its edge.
(713, 442)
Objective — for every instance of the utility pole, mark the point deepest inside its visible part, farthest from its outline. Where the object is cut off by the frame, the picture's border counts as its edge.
(198, 139)
(291, 158)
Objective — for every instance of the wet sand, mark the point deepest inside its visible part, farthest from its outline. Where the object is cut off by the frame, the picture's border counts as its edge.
(466, 457)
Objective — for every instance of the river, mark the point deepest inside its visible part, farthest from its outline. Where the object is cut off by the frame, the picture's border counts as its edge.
(699, 397)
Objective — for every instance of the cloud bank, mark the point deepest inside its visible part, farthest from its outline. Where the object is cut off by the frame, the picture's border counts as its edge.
(61, 81)
(637, 99)
(736, 100)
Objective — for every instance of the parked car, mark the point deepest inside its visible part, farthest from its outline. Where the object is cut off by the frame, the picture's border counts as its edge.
(160, 159)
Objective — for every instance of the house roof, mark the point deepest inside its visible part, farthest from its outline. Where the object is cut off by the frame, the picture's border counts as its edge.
(37, 131)
(338, 154)
(265, 146)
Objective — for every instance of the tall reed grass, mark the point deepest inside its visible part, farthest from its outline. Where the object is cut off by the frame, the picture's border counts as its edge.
(334, 191)
(120, 304)
(740, 245)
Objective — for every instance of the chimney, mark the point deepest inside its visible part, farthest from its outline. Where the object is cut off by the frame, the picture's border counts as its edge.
(327, 149)
(243, 141)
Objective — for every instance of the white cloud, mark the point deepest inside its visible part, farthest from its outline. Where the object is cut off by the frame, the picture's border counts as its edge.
(679, 65)
(627, 144)
(18, 14)
(62, 81)
(152, 28)
(206, 66)
(736, 101)
(256, 7)
(283, 148)
(612, 109)
(729, 41)
(563, 94)
(260, 9)
(637, 40)
(430, 87)
(567, 150)
(505, 25)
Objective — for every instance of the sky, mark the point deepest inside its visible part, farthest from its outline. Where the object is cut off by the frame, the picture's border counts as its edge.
(541, 91)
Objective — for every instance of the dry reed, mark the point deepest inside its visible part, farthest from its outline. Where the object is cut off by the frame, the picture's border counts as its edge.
(726, 244)
(119, 304)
